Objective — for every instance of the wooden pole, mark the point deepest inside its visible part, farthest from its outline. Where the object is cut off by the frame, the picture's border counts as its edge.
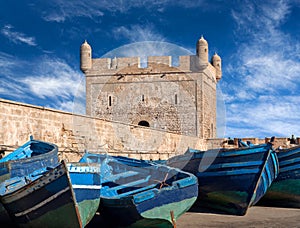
(172, 218)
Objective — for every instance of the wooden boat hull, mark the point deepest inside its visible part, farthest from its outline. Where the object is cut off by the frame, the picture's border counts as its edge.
(26, 159)
(140, 193)
(156, 212)
(31, 156)
(85, 178)
(230, 180)
(49, 199)
(285, 190)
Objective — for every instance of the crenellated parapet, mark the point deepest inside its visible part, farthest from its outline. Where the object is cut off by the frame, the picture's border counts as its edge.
(154, 64)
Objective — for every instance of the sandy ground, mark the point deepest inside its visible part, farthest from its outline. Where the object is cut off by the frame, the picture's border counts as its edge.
(268, 217)
(256, 217)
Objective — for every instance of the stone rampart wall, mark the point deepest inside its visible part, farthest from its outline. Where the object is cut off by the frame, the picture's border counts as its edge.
(75, 133)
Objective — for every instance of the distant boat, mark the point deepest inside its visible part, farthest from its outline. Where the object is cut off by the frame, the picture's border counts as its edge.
(285, 190)
(230, 180)
(142, 194)
(29, 157)
(46, 196)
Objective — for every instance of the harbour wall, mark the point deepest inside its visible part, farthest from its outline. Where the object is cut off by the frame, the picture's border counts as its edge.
(74, 134)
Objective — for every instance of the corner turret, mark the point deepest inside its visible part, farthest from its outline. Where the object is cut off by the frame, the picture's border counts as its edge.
(217, 63)
(85, 57)
(202, 51)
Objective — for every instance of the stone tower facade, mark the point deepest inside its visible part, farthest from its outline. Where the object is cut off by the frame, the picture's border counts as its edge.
(179, 99)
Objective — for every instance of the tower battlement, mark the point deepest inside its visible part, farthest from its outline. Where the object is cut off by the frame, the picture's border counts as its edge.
(154, 64)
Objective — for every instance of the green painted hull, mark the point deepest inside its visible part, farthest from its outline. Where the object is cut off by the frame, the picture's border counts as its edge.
(284, 193)
(230, 201)
(161, 216)
(52, 218)
(87, 210)
(163, 212)
(285, 190)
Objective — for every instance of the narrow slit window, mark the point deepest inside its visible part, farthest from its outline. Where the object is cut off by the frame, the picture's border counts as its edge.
(109, 100)
(175, 98)
(143, 98)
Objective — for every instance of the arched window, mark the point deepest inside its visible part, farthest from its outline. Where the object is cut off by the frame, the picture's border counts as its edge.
(144, 123)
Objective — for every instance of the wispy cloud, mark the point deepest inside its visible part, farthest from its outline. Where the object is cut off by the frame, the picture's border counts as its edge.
(264, 116)
(53, 78)
(265, 67)
(60, 10)
(9, 85)
(137, 33)
(17, 37)
(50, 82)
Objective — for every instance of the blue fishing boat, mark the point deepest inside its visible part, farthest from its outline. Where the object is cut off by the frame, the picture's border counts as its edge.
(85, 179)
(230, 180)
(31, 156)
(63, 196)
(285, 190)
(142, 194)
(43, 198)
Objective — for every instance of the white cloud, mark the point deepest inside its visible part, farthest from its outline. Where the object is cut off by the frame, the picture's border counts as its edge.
(262, 98)
(137, 33)
(255, 18)
(7, 63)
(9, 84)
(53, 78)
(266, 115)
(17, 37)
(12, 88)
(51, 81)
(269, 71)
(266, 62)
(60, 10)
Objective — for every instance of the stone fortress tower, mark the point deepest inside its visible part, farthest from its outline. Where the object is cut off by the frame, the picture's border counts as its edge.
(179, 99)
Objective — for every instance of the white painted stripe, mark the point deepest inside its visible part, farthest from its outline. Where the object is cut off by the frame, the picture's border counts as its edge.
(86, 186)
(37, 206)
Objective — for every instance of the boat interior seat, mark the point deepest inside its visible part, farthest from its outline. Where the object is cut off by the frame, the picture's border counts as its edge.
(117, 176)
(129, 186)
(138, 190)
(26, 153)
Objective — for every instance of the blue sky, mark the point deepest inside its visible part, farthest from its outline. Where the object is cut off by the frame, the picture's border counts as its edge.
(259, 42)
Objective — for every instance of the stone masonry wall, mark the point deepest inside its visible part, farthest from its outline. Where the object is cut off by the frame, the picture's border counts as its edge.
(75, 133)
(164, 96)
